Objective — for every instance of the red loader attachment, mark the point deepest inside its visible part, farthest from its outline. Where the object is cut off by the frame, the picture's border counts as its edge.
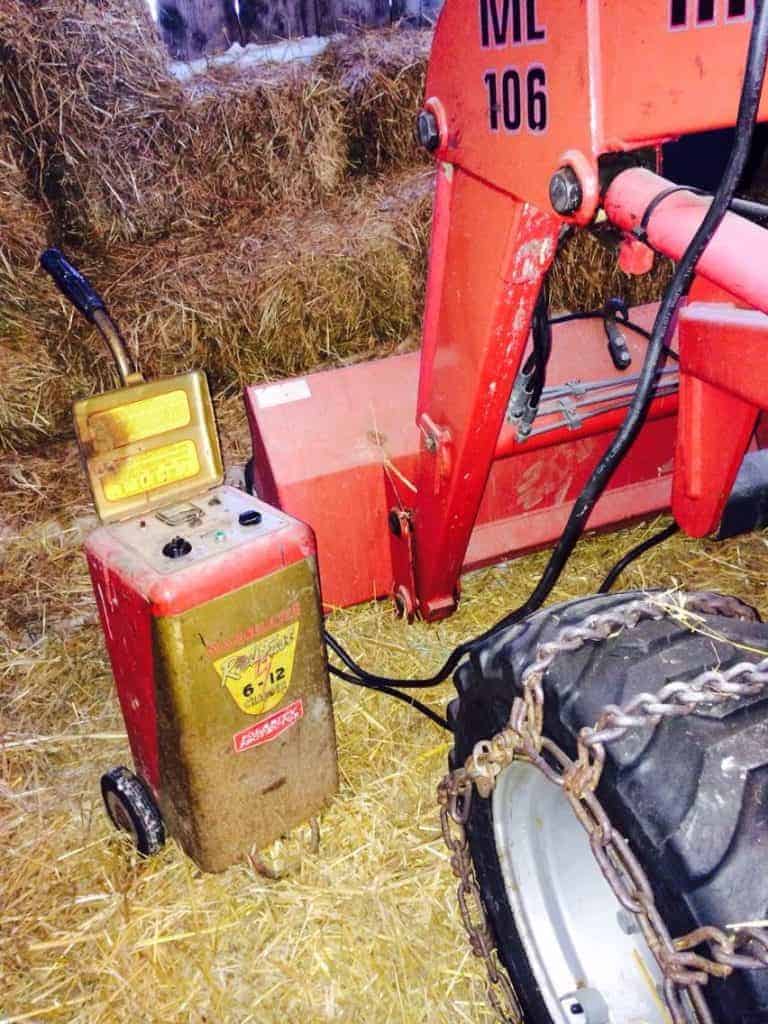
(415, 468)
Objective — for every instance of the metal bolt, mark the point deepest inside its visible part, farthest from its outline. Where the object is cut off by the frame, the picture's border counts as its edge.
(427, 130)
(565, 191)
(430, 443)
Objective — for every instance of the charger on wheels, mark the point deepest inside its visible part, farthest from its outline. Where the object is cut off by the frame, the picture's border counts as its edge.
(209, 602)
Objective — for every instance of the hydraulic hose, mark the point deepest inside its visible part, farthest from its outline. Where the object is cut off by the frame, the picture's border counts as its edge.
(636, 552)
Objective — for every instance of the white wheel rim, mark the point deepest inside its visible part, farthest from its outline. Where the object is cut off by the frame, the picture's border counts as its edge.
(120, 815)
(586, 952)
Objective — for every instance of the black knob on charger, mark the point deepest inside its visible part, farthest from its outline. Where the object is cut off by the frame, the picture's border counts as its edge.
(251, 517)
(177, 548)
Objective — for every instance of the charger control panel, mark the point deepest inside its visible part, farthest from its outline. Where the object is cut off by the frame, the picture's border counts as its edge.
(171, 538)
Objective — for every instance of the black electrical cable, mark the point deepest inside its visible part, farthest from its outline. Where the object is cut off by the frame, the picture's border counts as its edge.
(641, 231)
(379, 681)
(747, 208)
(536, 364)
(682, 277)
(542, 333)
(635, 552)
(599, 314)
(391, 691)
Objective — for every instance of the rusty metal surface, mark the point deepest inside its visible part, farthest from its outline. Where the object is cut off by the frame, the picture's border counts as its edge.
(237, 771)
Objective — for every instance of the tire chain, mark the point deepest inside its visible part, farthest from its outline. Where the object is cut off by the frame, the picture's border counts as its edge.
(684, 970)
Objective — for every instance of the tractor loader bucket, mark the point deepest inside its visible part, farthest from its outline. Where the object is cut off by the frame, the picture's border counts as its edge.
(339, 450)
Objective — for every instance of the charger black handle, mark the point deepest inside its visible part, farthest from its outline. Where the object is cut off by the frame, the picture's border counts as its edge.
(74, 285)
(81, 293)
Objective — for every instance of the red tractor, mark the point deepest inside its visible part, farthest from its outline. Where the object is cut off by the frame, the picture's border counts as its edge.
(605, 810)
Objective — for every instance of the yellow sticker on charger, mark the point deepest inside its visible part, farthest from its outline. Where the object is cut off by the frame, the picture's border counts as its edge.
(136, 421)
(259, 674)
(147, 471)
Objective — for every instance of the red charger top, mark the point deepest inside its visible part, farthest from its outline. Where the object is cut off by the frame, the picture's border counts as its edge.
(184, 555)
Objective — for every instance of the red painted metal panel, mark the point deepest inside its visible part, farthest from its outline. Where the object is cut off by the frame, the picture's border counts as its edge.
(723, 387)
(328, 454)
(480, 92)
(489, 288)
(126, 620)
(357, 433)
(521, 87)
(660, 80)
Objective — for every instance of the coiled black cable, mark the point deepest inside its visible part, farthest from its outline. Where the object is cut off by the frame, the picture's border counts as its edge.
(392, 691)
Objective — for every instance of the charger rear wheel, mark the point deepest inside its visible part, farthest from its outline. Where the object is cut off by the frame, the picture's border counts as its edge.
(131, 808)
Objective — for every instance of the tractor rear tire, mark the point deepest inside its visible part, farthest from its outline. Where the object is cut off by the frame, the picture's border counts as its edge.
(691, 797)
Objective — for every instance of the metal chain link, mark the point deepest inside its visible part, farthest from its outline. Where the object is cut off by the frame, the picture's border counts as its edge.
(684, 970)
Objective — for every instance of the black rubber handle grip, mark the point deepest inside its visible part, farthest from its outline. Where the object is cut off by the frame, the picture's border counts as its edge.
(71, 283)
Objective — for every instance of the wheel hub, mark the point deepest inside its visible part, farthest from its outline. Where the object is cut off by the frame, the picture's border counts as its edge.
(586, 952)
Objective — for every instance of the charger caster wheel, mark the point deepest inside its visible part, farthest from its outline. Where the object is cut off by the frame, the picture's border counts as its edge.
(691, 797)
(131, 808)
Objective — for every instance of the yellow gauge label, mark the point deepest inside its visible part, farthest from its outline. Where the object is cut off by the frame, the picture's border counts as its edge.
(136, 421)
(259, 674)
(147, 471)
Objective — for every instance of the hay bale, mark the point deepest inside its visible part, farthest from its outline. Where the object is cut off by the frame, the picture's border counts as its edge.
(382, 75)
(41, 486)
(119, 150)
(36, 395)
(256, 136)
(23, 222)
(282, 296)
(90, 103)
(23, 235)
(257, 300)
(249, 301)
(45, 363)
